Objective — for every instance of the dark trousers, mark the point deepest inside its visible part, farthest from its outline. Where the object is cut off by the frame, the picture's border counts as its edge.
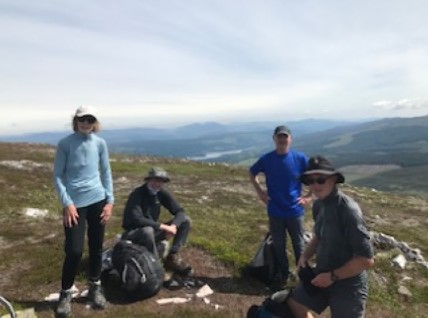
(278, 228)
(149, 237)
(74, 240)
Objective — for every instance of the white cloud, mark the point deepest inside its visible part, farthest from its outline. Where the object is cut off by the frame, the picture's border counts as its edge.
(405, 104)
(201, 60)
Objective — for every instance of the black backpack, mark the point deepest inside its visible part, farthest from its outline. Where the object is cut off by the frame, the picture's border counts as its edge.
(264, 266)
(274, 306)
(141, 274)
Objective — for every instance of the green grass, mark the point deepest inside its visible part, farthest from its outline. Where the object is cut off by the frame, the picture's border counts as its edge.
(229, 222)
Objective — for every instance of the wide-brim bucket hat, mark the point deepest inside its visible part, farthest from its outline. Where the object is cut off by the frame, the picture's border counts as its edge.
(321, 165)
(157, 173)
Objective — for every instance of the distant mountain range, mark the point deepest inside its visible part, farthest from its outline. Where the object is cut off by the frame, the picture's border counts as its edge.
(190, 141)
(387, 154)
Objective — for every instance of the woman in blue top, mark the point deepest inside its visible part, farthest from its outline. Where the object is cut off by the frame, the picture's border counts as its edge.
(83, 181)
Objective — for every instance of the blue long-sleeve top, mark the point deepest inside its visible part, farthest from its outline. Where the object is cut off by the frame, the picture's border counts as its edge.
(82, 174)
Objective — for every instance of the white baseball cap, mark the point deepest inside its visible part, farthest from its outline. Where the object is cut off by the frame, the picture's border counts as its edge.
(86, 111)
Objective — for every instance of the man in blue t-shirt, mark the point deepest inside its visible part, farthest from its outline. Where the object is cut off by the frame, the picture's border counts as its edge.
(282, 168)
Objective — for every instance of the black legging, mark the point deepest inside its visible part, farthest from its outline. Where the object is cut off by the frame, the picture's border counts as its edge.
(74, 239)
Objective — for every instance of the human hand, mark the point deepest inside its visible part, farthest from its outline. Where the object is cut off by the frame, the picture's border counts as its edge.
(322, 280)
(302, 262)
(70, 215)
(263, 196)
(304, 200)
(170, 230)
(106, 213)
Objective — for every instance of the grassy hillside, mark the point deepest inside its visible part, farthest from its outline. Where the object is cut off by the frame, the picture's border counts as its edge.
(401, 141)
(374, 146)
(228, 224)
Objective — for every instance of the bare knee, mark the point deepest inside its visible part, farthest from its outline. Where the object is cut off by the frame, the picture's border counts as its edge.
(299, 310)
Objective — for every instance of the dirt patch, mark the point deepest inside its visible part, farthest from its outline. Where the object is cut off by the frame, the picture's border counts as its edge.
(233, 296)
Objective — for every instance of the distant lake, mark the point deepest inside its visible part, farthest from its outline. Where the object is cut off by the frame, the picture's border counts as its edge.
(216, 154)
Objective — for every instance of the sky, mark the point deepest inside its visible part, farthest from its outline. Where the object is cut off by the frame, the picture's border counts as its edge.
(164, 63)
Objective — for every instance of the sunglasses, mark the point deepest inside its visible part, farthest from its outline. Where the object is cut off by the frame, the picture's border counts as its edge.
(319, 180)
(89, 119)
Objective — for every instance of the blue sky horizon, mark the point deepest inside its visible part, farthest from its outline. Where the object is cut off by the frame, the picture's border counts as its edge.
(170, 63)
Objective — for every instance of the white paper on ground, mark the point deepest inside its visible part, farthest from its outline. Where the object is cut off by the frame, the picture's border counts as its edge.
(55, 296)
(173, 300)
(204, 291)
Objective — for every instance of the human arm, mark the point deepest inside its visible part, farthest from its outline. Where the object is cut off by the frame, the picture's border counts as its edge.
(256, 184)
(355, 266)
(70, 215)
(358, 240)
(133, 215)
(59, 172)
(105, 172)
(173, 207)
(107, 182)
(308, 252)
(307, 198)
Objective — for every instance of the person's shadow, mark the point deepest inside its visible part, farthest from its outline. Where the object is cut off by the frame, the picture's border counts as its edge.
(236, 285)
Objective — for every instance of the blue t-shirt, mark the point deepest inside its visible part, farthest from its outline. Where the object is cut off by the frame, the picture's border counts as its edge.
(282, 172)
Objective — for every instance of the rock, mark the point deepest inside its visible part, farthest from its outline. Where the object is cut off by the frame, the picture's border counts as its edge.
(403, 290)
(25, 313)
(26, 165)
(380, 280)
(35, 213)
(307, 236)
(406, 279)
(383, 241)
(400, 261)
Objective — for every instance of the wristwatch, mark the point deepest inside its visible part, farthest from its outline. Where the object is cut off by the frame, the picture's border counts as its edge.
(334, 278)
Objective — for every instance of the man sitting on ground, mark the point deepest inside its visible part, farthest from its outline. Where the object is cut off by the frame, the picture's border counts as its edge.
(141, 215)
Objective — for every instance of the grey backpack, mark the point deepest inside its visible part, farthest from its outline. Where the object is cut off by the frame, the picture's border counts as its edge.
(264, 266)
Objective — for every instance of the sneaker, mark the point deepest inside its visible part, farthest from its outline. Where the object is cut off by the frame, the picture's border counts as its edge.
(175, 263)
(63, 308)
(96, 295)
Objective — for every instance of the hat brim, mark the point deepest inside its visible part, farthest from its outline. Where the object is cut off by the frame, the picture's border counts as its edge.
(164, 179)
(86, 114)
(340, 176)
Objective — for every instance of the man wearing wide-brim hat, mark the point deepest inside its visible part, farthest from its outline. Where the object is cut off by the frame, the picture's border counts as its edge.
(341, 245)
(141, 219)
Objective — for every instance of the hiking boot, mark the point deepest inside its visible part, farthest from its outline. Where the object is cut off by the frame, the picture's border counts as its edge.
(63, 308)
(174, 262)
(277, 286)
(278, 282)
(96, 295)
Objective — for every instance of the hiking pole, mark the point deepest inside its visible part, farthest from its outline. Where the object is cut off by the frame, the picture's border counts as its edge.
(8, 306)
